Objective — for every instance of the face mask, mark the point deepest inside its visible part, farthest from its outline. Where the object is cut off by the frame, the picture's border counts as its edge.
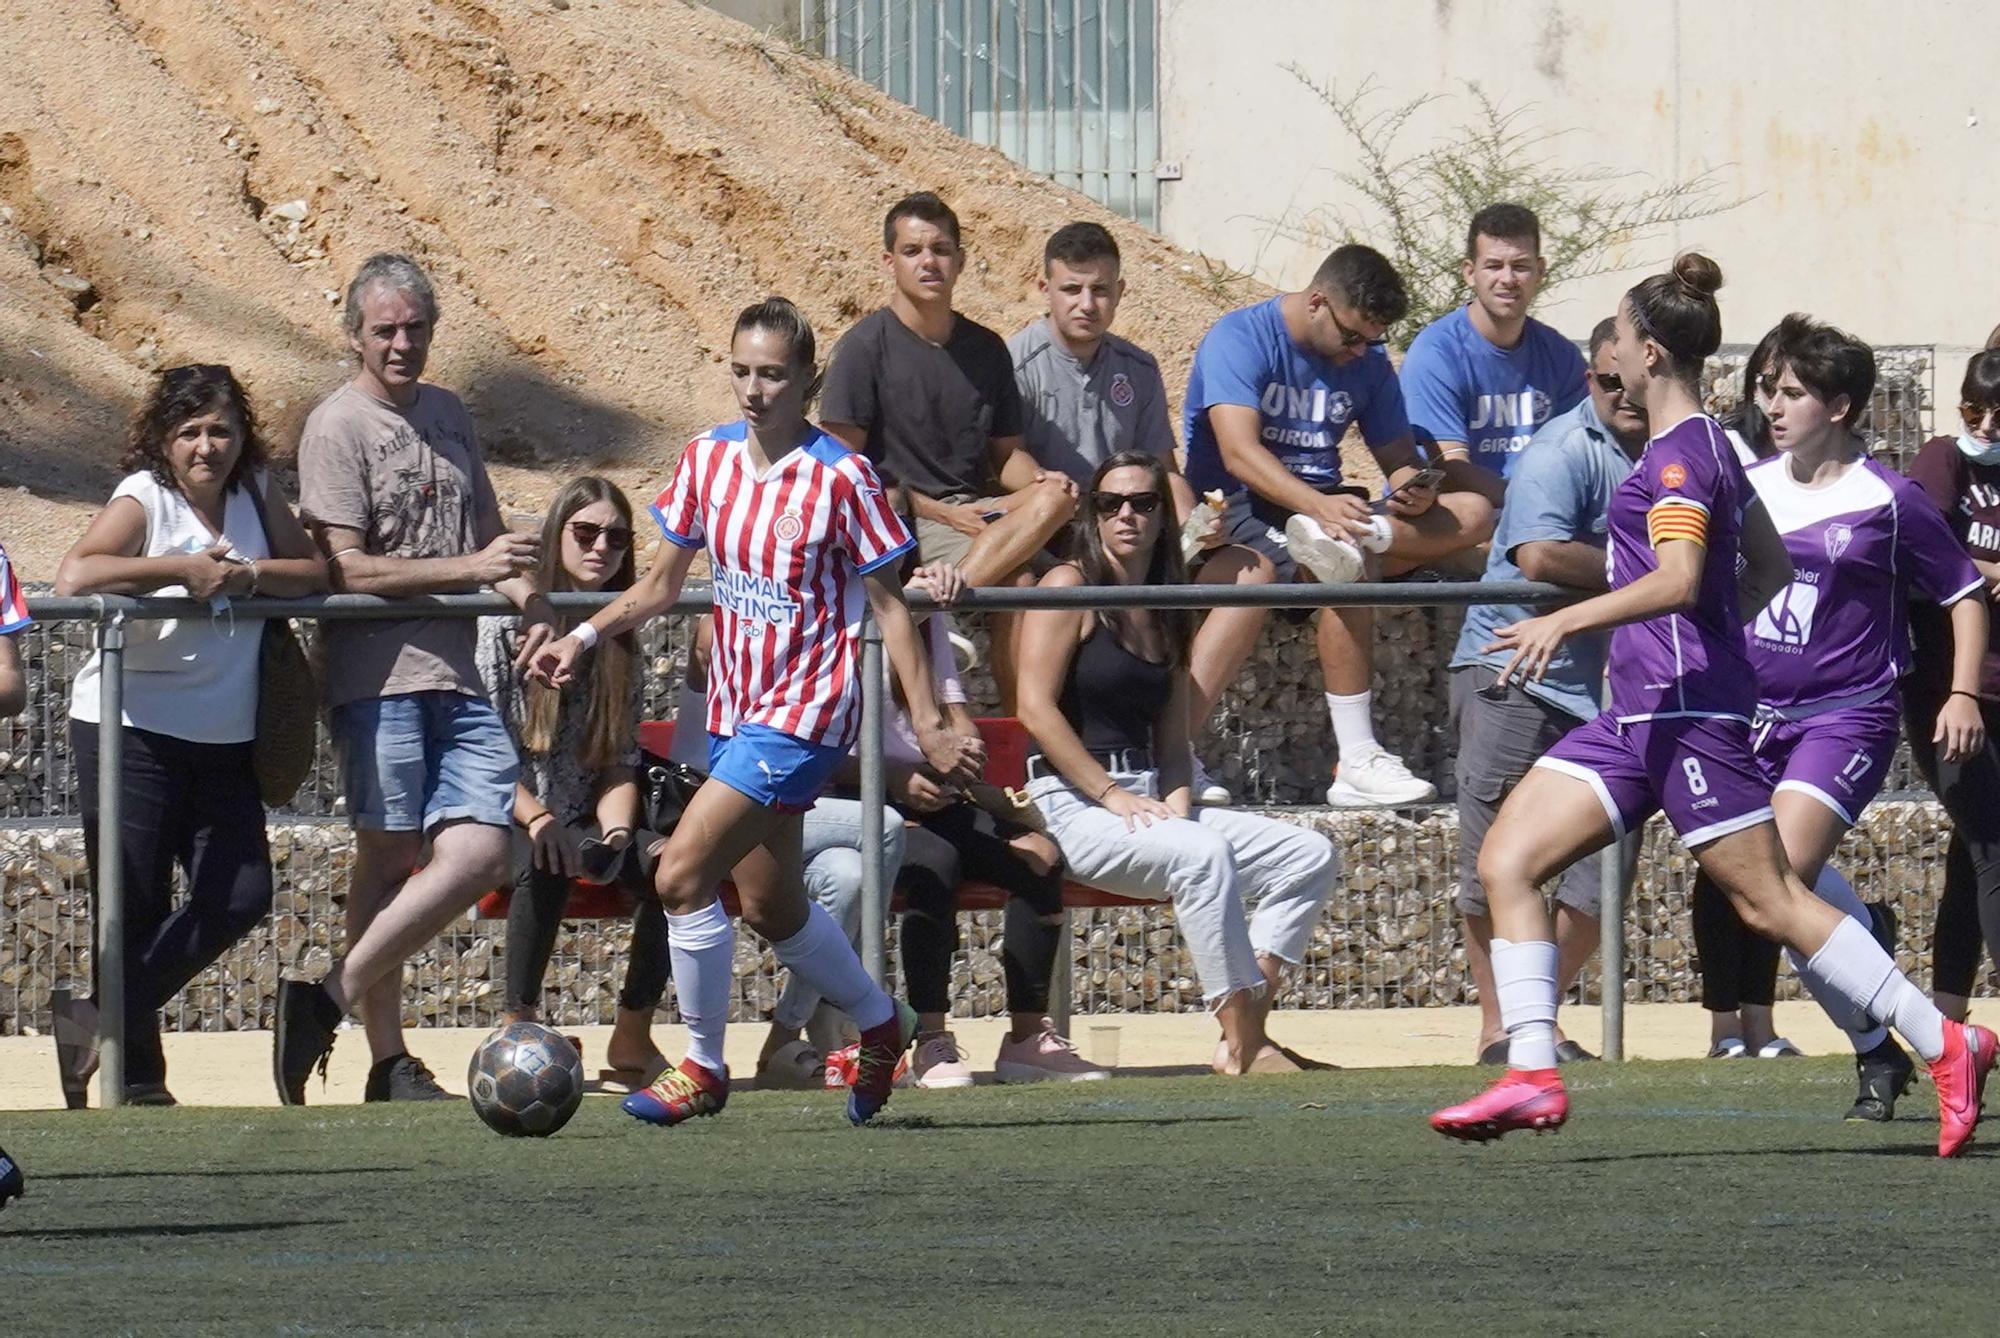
(1977, 451)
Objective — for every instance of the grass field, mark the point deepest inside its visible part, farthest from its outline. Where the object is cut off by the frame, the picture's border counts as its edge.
(1684, 1198)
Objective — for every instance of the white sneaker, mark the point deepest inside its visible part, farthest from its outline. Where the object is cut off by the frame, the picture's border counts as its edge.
(794, 1067)
(1208, 791)
(1334, 561)
(1376, 780)
(938, 1062)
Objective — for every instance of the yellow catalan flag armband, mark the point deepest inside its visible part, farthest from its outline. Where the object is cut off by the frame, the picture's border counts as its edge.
(1677, 518)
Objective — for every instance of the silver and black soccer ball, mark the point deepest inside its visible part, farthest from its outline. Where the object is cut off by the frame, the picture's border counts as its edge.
(525, 1080)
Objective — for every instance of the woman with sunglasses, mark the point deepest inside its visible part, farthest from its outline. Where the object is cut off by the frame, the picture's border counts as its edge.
(1961, 474)
(1829, 649)
(1676, 736)
(576, 805)
(196, 515)
(798, 535)
(1104, 696)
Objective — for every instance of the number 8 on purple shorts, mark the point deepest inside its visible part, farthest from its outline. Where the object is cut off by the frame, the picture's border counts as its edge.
(1698, 770)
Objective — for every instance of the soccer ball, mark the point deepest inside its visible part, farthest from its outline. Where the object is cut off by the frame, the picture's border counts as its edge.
(525, 1080)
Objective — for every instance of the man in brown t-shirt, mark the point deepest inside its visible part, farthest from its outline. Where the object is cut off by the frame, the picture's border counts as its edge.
(392, 485)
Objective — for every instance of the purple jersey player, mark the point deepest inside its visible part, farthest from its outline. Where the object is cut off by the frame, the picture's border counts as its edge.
(1676, 737)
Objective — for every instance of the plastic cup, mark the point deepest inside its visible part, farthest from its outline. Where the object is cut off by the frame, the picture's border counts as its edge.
(1104, 1044)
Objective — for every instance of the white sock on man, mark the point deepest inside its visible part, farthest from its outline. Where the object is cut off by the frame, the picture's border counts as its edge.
(702, 947)
(1855, 968)
(1353, 723)
(1863, 1031)
(825, 960)
(1524, 983)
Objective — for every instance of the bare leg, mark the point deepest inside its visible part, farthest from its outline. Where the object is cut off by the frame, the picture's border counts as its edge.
(631, 1044)
(1459, 521)
(1226, 636)
(1347, 649)
(382, 861)
(1011, 542)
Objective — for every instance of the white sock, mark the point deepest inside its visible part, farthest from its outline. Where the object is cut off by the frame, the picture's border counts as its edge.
(1524, 982)
(1353, 723)
(825, 960)
(702, 946)
(1863, 1031)
(1854, 966)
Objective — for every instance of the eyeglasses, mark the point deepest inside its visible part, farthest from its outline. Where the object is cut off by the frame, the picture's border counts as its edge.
(1608, 382)
(1975, 415)
(1110, 503)
(617, 538)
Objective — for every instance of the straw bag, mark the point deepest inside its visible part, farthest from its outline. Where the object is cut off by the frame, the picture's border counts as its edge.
(287, 701)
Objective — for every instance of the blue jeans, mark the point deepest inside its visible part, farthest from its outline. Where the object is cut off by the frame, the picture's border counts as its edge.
(832, 857)
(413, 761)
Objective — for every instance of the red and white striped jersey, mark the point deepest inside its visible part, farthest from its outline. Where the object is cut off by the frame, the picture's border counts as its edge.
(13, 604)
(788, 548)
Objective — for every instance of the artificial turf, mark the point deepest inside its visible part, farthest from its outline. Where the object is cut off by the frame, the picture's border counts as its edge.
(1698, 1197)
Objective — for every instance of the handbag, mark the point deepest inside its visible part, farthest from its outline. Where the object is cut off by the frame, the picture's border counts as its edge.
(281, 755)
(665, 788)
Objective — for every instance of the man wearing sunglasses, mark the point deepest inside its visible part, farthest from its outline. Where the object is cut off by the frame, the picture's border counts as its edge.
(1275, 387)
(1480, 380)
(1552, 528)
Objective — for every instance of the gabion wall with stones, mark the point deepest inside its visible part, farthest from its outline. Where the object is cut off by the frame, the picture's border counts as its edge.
(1389, 938)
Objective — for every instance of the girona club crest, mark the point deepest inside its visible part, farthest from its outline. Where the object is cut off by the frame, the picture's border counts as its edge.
(788, 527)
(1122, 393)
(1838, 537)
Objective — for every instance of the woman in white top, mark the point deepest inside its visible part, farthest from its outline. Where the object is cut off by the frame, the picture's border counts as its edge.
(195, 515)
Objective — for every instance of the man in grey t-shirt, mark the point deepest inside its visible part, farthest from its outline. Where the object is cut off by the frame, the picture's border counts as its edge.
(1087, 395)
(393, 487)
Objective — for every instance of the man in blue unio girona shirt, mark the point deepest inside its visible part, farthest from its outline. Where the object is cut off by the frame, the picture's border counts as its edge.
(1274, 389)
(1482, 379)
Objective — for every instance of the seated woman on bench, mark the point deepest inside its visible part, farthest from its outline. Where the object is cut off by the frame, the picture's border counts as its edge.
(1105, 695)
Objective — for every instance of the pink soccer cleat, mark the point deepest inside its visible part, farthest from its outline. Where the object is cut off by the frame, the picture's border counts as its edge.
(1524, 1099)
(1960, 1074)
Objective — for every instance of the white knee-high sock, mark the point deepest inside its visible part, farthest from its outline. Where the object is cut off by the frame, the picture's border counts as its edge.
(1524, 980)
(702, 946)
(1863, 1031)
(825, 960)
(1353, 722)
(1854, 966)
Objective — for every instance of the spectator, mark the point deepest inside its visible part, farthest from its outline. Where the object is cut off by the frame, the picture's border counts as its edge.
(1552, 528)
(392, 482)
(1274, 388)
(1104, 697)
(1961, 474)
(1481, 380)
(13, 697)
(576, 805)
(1087, 395)
(928, 395)
(951, 838)
(804, 1028)
(196, 514)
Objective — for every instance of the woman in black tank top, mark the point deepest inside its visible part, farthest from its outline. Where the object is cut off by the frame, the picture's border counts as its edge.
(1105, 696)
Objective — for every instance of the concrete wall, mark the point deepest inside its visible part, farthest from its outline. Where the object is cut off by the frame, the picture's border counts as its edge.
(1863, 133)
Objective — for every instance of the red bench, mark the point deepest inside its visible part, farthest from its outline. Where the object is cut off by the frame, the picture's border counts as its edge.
(1006, 764)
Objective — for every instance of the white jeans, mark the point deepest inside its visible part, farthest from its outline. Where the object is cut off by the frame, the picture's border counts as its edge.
(1210, 865)
(831, 854)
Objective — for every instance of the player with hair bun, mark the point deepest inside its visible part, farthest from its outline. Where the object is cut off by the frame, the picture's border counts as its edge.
(798, 533)
(1675, 737)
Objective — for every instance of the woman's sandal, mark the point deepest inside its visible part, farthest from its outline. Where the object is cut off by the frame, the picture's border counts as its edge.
(634, 1080)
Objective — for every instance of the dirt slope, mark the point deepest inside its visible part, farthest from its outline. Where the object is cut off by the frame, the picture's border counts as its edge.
(597, 187)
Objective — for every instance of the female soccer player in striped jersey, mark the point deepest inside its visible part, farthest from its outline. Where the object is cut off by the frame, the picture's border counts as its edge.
(1675, 737)
(1829, 649)
(798, 533)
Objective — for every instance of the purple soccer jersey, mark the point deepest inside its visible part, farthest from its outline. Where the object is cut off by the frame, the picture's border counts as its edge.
(1839, 631)
(1688, 485)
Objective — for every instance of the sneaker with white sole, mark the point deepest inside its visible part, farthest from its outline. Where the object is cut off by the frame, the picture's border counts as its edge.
(1376, 779)
(1208, 791)
(793, 1067)
(1044, 1057)
(939, 1062)
(1333, 560)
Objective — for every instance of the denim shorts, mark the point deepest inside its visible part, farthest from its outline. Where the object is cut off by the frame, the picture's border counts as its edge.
(413, 761)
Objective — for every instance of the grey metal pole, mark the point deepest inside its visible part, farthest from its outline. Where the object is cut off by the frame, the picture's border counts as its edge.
(1611, 937)
(109, 877)
(874, 887)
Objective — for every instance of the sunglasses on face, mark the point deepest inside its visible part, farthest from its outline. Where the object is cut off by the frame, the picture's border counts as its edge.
(617, 538)
(1608, 382)
(1353, 338)
(1975, 415)
(1109, 504)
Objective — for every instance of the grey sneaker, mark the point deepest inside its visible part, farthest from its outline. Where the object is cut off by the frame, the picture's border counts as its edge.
(404, 1077)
